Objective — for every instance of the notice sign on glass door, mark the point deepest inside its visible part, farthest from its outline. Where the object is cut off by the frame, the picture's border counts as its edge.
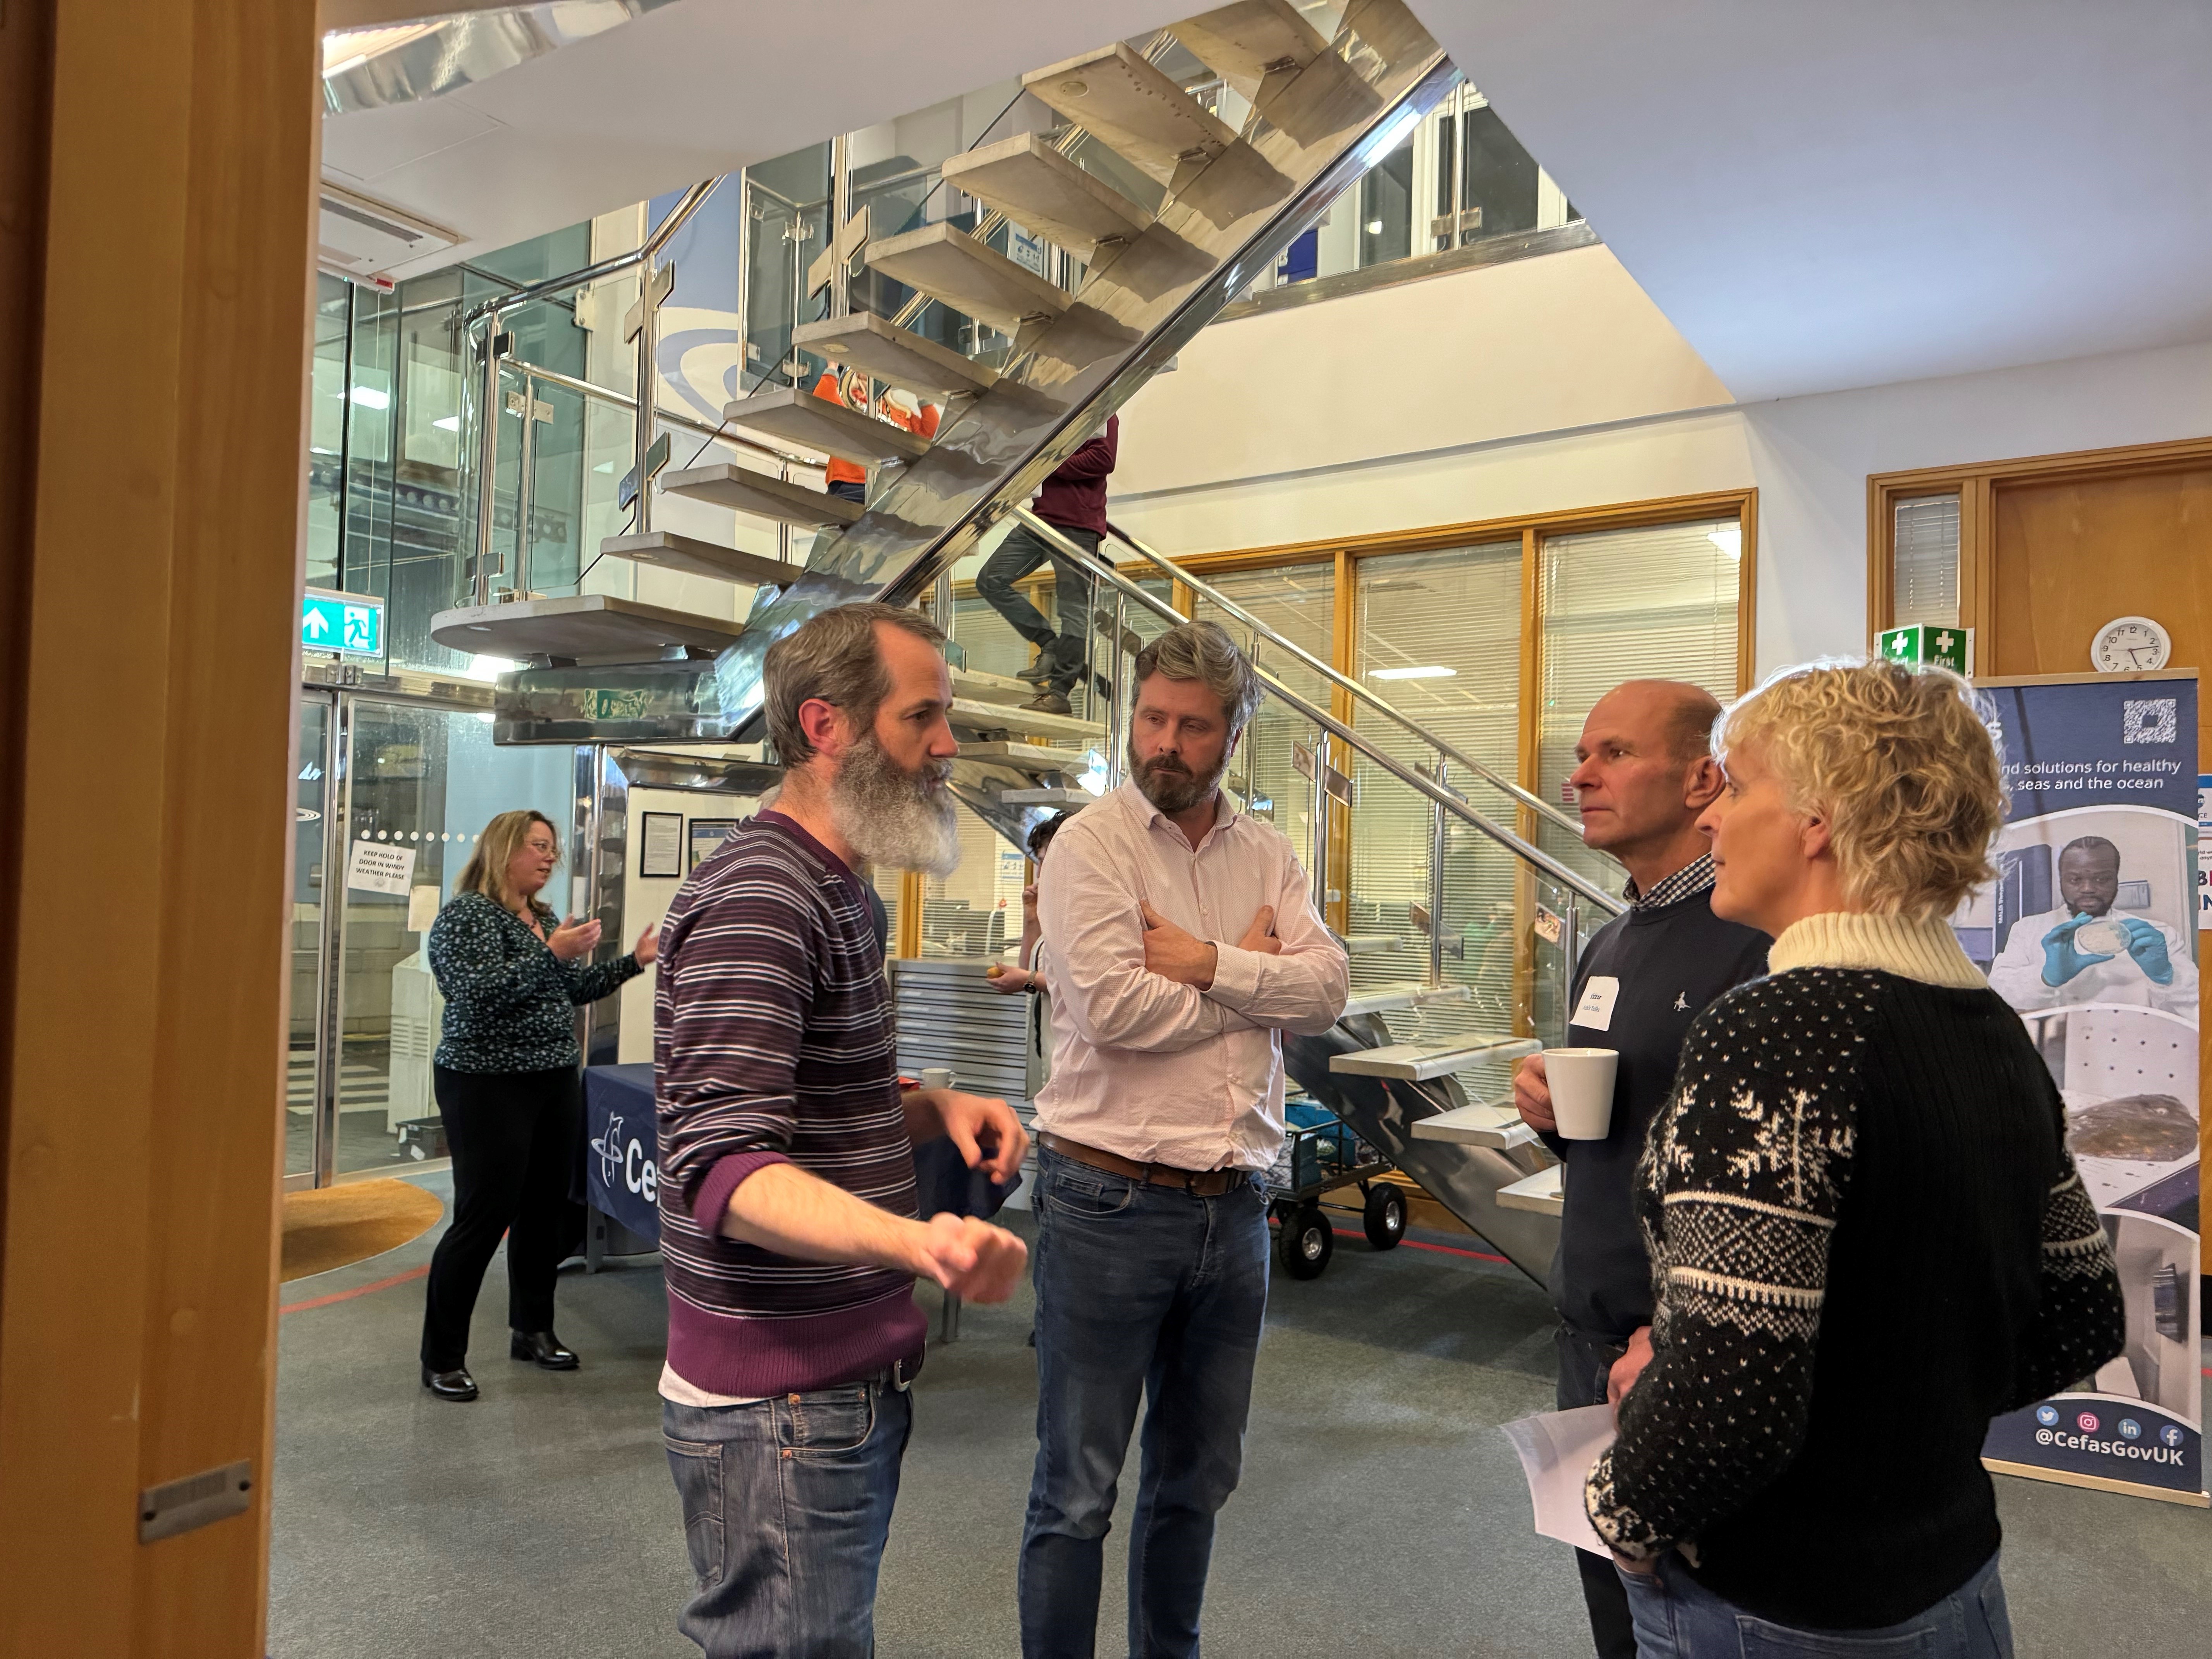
(377, 867)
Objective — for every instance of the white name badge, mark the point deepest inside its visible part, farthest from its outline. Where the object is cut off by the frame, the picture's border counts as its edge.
(1595, 1011)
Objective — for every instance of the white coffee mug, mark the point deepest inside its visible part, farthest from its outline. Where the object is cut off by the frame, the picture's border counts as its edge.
(936, 1077)
(1581, 1081)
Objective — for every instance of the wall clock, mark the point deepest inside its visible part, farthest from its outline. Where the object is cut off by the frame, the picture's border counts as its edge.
(2130, 645)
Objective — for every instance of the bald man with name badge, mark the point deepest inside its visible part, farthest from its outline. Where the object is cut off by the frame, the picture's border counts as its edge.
(1643, 772)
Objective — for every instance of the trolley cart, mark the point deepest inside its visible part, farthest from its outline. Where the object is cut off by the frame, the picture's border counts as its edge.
(1321, 1155)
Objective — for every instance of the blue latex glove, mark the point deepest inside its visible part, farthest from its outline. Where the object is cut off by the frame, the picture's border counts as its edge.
(2061, 961)
(2148, 946)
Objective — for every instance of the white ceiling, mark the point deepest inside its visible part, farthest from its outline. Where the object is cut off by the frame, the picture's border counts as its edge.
(687, 92)
(1822, 196)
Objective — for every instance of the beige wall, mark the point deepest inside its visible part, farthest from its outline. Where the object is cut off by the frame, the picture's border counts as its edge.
(1553, 384)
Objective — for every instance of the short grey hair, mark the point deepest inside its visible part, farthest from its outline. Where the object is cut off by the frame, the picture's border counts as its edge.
(1204, 651)
(834, 657)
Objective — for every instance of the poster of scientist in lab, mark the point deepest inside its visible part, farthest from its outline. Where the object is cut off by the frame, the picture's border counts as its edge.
(2090, 933)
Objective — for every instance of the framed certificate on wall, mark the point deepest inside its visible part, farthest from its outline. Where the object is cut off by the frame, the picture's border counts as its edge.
(661, 844)
(706, 835)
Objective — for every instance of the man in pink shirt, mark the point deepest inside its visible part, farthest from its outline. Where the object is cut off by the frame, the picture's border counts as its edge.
(1165, 1107)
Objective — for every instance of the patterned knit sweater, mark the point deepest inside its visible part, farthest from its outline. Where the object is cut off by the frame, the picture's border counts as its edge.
(773, 1042)
(1868, 1239)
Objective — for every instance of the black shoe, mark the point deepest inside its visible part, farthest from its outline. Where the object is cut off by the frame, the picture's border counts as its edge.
(1038, 671)
(543, 1348)
(455, 1385)
(1048, 702)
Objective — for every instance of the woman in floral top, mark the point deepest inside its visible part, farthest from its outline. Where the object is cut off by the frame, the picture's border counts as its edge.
(512, 975)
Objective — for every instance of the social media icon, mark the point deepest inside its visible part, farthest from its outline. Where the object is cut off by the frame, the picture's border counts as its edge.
(2046, 1415)
(2130, 1428)
(2087, 1422)
(2170, 1434)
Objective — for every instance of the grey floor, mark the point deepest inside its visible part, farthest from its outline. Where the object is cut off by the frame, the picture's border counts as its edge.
(1380, 1511)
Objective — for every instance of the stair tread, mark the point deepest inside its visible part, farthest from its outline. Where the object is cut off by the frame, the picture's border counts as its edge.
(695, 557)
(1482, 1124)
(976, 686)
(746, 489)
(1000, 717)
(1133, 108)
(1067, 799)
(1541, 1192)
(589, 625)
(1417, 1062)
(798, 416)
(1037, 187)
(1027, 756)
(947, 263)
(1241, 42)
(896, 354)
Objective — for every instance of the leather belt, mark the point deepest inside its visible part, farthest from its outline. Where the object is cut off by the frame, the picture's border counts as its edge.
(1199, 1183)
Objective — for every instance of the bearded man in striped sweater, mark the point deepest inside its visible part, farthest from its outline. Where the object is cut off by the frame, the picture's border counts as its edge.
(787, 1207)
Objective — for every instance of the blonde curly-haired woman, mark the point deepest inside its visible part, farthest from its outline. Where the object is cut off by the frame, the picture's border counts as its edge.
(514, 975)
(1868, 1237)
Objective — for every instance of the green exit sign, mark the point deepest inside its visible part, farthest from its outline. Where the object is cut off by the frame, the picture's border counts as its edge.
(1928, 642)
(349, 623)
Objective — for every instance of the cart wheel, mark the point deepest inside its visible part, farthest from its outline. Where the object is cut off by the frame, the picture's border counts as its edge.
(1307, 1243)
(1386, 1216)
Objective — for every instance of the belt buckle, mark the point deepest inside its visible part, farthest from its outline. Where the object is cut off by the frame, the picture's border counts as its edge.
(901, 1383)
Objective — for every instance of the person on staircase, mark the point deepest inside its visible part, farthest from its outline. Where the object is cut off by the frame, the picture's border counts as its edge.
(1163, 1112)
(849, 480)
(1643, 772)
(1073, 502)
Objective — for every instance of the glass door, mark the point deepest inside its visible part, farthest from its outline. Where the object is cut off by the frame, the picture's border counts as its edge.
(304, 1084)
(420, 782)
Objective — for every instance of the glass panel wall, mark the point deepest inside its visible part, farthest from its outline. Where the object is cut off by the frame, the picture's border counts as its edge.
(1299, 603)
(1438, 637)
(310, 811)
(1653, 602)
(426, 779)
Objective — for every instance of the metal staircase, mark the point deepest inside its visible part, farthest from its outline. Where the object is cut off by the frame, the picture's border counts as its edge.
(1419, 1065)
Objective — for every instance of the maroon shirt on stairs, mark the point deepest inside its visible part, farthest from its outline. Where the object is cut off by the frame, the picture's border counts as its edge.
(773, 1042)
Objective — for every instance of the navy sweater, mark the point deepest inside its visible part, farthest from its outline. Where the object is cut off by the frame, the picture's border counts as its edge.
(1666, 964)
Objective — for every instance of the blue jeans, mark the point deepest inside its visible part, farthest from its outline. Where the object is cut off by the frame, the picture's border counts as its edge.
(1678, 1618)
(1139, 1289)
(786, 1504)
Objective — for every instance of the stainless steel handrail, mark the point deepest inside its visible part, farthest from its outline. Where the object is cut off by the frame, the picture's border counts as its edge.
(1215, 597)
(614, 265)
(1100, 569)
(722, 434)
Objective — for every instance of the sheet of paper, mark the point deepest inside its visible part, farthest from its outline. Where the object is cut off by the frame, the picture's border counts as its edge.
(422, 909)
(661, 851)
(376, 866)
(1558, 1450)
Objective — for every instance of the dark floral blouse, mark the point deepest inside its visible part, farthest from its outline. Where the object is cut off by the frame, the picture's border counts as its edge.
(510, 1002)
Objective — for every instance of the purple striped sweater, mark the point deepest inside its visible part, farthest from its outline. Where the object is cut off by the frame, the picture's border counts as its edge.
(773, 1042)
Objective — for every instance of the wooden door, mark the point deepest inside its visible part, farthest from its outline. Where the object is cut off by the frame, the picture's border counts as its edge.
(2069, 553)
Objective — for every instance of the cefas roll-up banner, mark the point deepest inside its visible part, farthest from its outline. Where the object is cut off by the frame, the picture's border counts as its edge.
(2090, 931)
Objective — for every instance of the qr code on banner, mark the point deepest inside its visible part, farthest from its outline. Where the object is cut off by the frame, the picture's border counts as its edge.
(2152, 719)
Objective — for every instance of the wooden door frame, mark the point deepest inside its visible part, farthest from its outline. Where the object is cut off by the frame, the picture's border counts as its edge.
(160, 162)
(1976, 486)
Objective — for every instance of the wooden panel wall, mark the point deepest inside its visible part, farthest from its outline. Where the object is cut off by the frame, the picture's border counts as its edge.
(147, 791)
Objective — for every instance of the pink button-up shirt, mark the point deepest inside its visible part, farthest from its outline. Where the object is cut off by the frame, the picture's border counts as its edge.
(1143, 1067)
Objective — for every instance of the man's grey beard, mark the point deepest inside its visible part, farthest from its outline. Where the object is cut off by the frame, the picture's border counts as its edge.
(1177, 790)
(893, 818)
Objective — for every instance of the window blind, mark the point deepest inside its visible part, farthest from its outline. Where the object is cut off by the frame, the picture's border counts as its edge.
(1924, 569)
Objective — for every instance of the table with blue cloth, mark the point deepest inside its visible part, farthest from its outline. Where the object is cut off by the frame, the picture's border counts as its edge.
(622, 1179)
